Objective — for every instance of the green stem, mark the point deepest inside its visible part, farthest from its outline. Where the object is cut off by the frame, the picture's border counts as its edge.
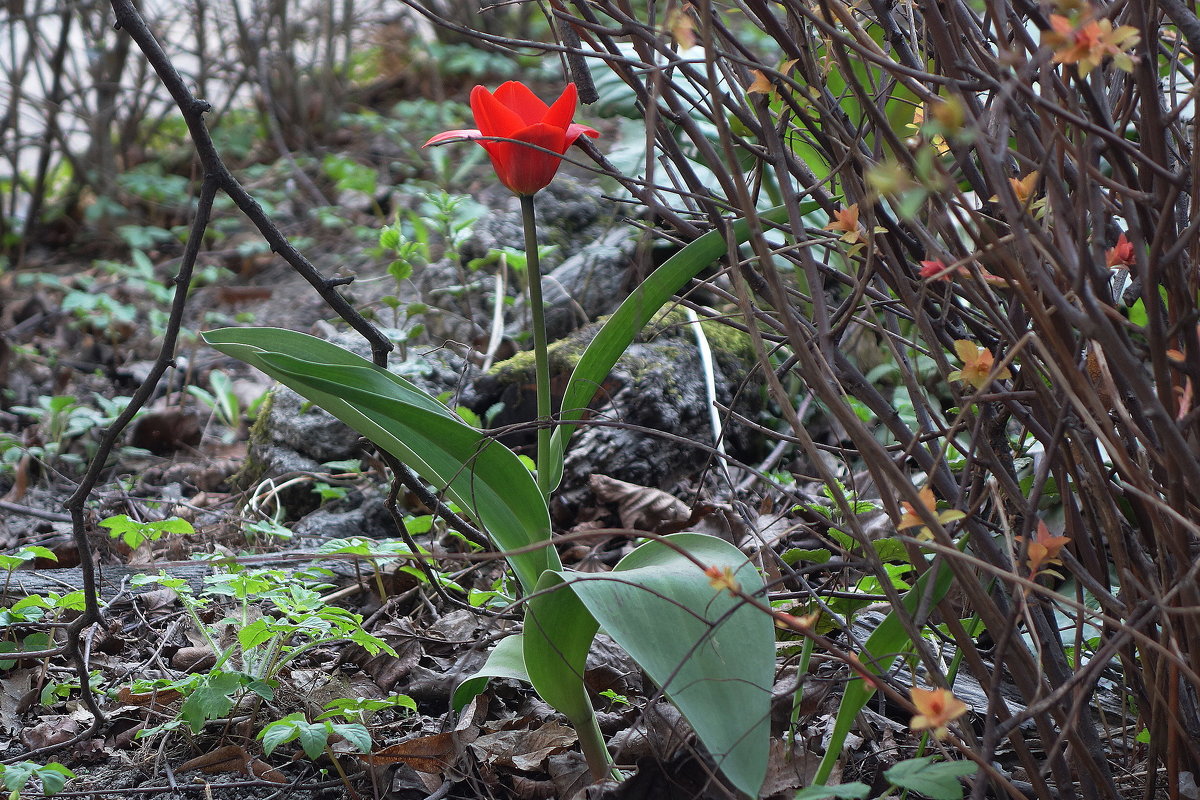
(540, 353)
(595, 752)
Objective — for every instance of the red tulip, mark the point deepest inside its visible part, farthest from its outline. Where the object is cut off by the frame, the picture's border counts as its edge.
(540, 133)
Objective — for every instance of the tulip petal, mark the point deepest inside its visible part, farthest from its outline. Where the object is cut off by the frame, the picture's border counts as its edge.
(524, 169)
(518, 97)
(492, 116)
(563, 111)
(453, 136)
(575, 130)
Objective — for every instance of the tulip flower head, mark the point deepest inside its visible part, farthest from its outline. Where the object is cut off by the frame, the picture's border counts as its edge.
(524, 137)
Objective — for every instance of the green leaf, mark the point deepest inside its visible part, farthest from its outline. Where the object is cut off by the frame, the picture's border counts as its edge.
(882, 648)
(54, 776)
(355, 734)
(479, 475)
(254, 634)
(712, 654)
(313, 737)
(33, 551)
(279, 732)
(17, 775)
(211, 699)
(935, 779)
(638, 309)
(558, 634)
(843, 791)
(505, 661)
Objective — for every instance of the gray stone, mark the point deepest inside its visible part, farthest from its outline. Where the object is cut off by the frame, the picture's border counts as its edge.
(309, 430)
(587, 285)
(354, 516)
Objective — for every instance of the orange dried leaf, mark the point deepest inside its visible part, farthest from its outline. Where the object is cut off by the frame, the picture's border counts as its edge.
(1086, 42)
(936, 708)
(683, 27)
(978, 365)
(1120, 254)
(910, 518)
(845, 220)
(760, 85)
(722, 579)
(430, 754)
(1043, 550)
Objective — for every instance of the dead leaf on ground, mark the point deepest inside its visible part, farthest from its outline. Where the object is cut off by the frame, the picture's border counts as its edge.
(194, 659)
(455, 628)
(386, 670)
(524, 749)
(570, 774)
(787, 772)
(13, 687)
(434, 753)
(157, 603)
(530, 789)
(640, 507)
(233, 758)
(51, 730)
(166, 430)
(157, 701)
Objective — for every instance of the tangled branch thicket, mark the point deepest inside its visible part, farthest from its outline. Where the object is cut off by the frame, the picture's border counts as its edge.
(996, 299)
(977, 138)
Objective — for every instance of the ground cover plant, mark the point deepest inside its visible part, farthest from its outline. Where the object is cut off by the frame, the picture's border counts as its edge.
(873, 476)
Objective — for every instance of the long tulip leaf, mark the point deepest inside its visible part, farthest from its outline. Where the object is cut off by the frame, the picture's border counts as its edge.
(505, 661)
(881, 649)
(634, 313)
(712, 655)
(482, 476)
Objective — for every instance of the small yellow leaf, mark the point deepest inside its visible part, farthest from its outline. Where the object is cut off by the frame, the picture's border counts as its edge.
(760, 85)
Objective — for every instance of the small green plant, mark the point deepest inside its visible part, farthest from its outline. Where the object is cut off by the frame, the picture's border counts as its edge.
(349, 175)
(134, 533)
(52, 777)
(10, 562)
(222, 398)
(276, 619)
(361, 709)
(313, 736)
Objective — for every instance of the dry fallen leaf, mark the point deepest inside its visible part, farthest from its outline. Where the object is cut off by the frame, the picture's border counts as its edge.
(156, 700)
(424, 754)
(524, 749)
(233, 758)
(639, 507)
(51, 730)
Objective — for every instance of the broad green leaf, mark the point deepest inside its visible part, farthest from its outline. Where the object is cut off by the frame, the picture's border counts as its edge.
(505, 661)
(54, 776)
(882, 648)
(713, 655)
(254, 634)
(935, 779)
(842, 791)
(638, 309)
(279, 732)
(17, 775)
(558, 634)
(211, 699)
(479, 474)
(313, 737)
(355, 734)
